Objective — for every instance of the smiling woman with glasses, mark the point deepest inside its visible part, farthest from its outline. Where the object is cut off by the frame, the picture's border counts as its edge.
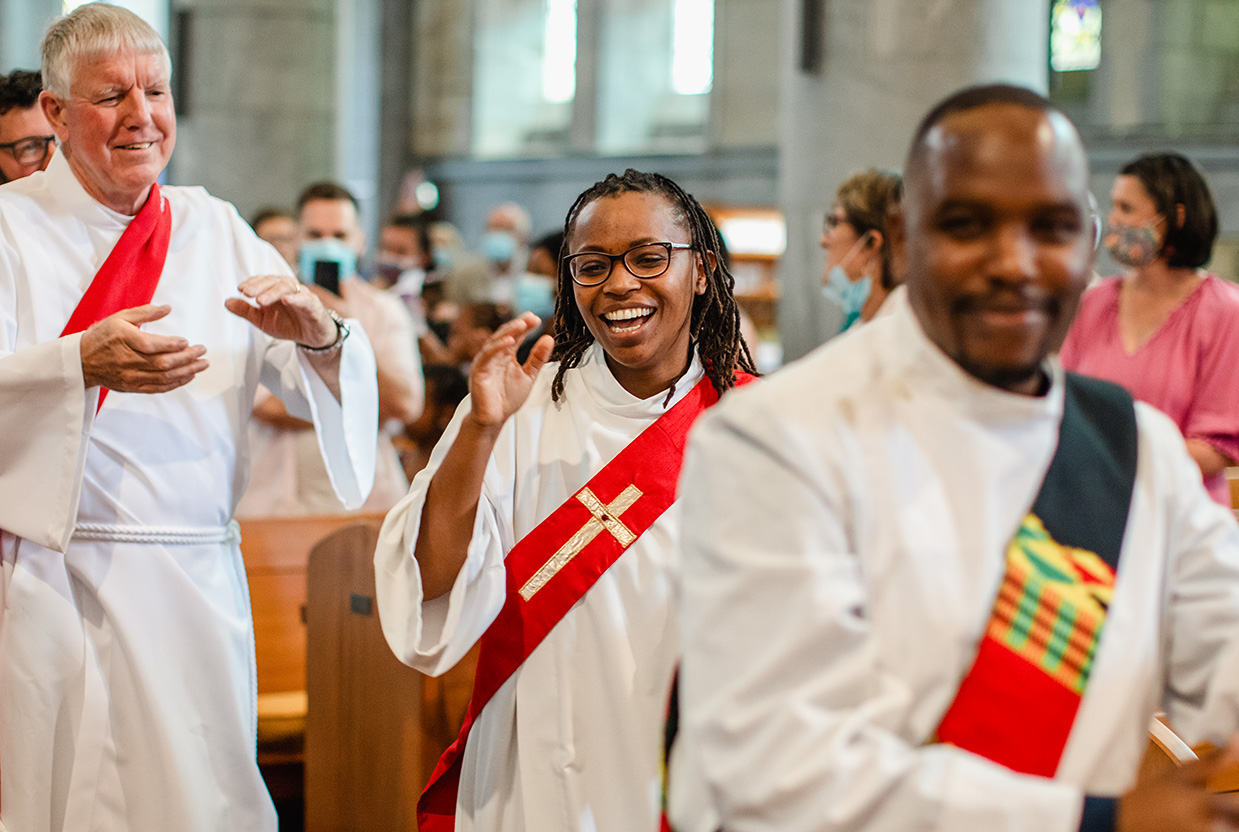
(25, 135)
(566, 464)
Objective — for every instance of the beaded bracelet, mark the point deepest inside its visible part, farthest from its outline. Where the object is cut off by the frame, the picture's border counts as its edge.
(342, 331)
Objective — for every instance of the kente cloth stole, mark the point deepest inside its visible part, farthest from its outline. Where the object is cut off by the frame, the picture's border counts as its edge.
(1017, 704)
(129, 275)
(553, 566)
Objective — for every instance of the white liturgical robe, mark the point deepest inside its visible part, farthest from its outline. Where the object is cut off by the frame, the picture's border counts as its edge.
(127, 686)
(845, 532)
(573, 741)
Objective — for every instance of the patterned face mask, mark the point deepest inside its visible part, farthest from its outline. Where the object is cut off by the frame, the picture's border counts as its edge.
(1133, 245)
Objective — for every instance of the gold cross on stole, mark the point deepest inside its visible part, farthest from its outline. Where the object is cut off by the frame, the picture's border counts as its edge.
(605, 517)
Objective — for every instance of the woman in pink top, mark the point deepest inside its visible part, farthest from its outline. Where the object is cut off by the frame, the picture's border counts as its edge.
(1166, 330)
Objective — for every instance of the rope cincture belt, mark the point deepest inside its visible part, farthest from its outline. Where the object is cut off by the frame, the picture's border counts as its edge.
(159, 535)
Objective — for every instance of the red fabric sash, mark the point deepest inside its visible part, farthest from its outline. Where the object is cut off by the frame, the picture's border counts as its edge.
(651, 463)
(129, 276)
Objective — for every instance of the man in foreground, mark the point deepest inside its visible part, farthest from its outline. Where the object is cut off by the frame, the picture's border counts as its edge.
(26, 139)
(135, 325)
(914, 623)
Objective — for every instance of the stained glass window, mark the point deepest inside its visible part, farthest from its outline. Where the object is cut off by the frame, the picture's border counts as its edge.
(1075, 35)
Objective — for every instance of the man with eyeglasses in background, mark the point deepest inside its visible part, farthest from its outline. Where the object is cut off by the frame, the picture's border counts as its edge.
(26, 138)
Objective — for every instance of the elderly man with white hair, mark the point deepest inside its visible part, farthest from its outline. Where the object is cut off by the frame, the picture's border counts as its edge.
(126, 644)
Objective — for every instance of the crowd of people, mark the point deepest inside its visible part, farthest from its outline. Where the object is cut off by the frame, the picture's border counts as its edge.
(939, 574)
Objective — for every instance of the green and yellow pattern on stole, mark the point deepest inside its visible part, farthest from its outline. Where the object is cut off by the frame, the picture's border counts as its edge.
(1052, 604)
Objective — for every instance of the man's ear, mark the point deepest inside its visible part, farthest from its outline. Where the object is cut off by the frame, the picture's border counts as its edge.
(54, 112)
(875, 240)
(897, 231)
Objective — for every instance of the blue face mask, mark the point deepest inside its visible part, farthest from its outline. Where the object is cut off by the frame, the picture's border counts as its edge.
(498, 246)
(326, 250)
(535, 293)
(850, 296)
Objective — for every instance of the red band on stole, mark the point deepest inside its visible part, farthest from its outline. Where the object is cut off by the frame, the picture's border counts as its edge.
(129, 275)
(605, 508)
(1019, 700)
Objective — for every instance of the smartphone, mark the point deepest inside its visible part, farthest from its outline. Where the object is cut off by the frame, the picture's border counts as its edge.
(327, 275)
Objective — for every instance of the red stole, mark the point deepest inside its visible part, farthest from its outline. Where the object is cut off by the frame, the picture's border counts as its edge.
(1018, 702)
(129, 275)
(553, 566)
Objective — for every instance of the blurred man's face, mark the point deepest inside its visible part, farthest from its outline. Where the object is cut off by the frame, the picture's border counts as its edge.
(336, 218)
(998, 242)
(117, 128)
(23, 134)
(400, 244)
(280, 232)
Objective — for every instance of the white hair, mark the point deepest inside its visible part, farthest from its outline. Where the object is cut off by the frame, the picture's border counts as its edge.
(91, 30)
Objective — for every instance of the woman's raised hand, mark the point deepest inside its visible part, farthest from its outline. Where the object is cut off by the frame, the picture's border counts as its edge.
(498, 383)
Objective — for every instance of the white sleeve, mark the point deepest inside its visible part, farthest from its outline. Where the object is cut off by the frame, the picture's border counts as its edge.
(347, 430)
(432, 636)
(1202, 605)
(44, 425)
(786, 721)
(44, 428)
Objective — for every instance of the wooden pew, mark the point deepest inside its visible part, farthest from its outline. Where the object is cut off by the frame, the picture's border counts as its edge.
(276, 552)
(375, 727)
(363, 726)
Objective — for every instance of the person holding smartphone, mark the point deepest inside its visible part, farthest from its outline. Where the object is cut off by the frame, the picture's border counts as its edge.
(288, 478)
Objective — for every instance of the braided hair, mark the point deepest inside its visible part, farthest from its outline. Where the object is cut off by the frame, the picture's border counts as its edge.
(715, 321)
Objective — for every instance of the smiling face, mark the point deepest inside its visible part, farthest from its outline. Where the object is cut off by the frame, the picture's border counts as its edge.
(643, 324)
(997, 239)
(117, 128)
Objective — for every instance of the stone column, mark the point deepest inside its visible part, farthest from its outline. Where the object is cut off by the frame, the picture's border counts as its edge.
(21, 31)
(256, 98)
(882, 64)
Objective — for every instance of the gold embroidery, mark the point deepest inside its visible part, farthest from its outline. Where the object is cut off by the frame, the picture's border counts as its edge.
(605, 517)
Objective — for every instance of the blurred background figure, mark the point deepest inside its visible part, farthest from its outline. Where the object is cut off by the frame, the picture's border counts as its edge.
(26, 138)
(544, 255)
(446, 387)
(859, 273)
(405, 263)
(1166, 329)
(287, 477)
(470, 330)
(505, 248)
(279, 228)
(405, 255)
(536, 291)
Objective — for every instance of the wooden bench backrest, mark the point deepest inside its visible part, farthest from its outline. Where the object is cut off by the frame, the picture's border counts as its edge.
(276, 551)
(363, 748)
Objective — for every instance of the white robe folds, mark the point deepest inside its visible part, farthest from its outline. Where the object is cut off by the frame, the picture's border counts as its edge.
(573, 741)
(127, 687)
(846, 526)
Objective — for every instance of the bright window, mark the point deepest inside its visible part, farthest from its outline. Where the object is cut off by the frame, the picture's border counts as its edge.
(559, 51)
(692, 59)
(1075, 35)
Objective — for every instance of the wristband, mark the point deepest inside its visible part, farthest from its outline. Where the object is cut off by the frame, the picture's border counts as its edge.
(342, 331)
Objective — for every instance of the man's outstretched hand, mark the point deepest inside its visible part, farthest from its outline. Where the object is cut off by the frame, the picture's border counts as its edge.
(118, 355)
(284, 309)
(1178, 800)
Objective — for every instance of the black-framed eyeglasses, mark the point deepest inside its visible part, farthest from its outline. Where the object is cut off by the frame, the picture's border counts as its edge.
(590, 268)
(30, 150)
